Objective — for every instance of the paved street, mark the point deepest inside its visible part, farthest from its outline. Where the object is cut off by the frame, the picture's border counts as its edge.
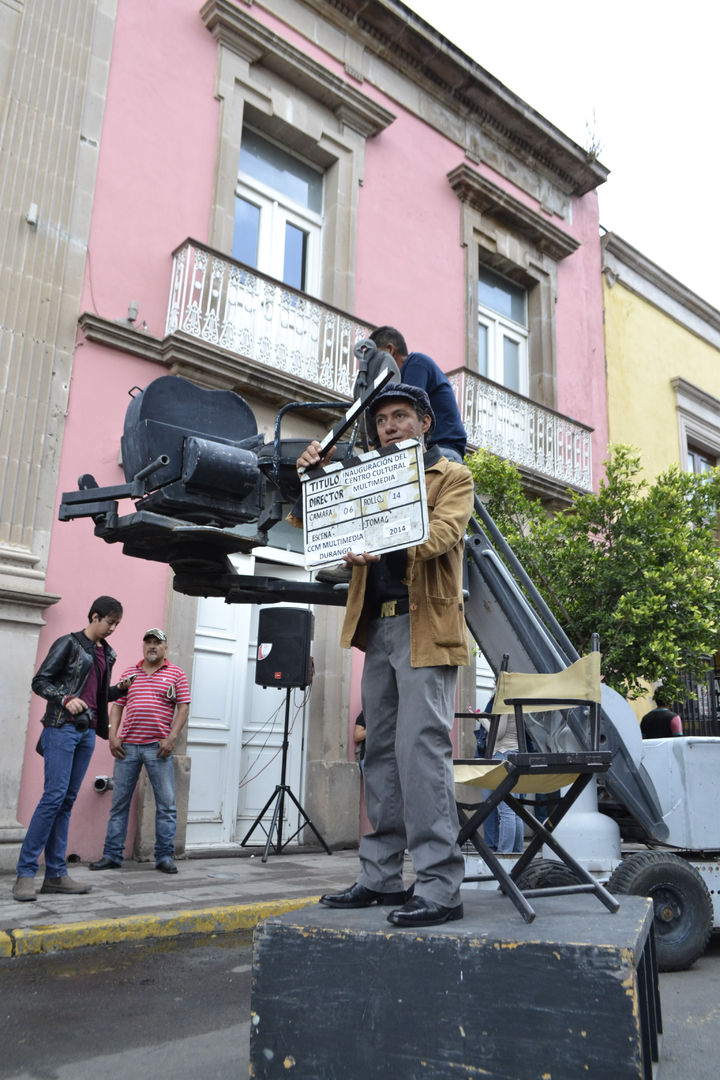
(172, 999)
(179, 1010)
(691, 1016)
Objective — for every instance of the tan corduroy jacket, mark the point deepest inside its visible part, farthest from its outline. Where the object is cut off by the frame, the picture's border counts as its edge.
(438, 634)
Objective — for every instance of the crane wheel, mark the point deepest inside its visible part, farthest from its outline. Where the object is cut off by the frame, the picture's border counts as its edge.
(683, 907)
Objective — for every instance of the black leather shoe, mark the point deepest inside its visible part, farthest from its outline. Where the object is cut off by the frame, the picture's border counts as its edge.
(420, 912)
(105, 864)
(357, 896)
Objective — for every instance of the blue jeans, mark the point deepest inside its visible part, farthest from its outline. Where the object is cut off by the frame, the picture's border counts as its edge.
(504, 830)
(161, 774)
(491, 828)
(66, 754)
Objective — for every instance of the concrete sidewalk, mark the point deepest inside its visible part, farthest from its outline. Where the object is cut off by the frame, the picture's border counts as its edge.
(213, 894)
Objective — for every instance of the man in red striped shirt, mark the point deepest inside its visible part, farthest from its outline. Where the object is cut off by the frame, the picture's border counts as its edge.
(156, 709)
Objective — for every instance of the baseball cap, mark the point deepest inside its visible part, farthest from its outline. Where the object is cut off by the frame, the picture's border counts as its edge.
(155, 632)
(406, 392)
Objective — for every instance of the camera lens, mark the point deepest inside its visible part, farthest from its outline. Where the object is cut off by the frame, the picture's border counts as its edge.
(83, 720)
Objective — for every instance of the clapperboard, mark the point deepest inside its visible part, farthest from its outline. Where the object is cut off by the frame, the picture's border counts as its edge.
(374, 502)
(334, 435)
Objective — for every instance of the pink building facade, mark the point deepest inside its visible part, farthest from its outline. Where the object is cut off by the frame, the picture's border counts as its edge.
(336, 166)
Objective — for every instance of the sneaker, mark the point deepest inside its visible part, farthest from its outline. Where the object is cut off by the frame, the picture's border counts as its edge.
(64, 885)
(24, 889)
(335, 575)
(166, 866)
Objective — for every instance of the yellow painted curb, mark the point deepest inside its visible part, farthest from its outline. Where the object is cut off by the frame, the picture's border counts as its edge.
(213, 920)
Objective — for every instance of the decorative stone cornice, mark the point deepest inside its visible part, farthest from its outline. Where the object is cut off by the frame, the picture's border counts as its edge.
(234, 28)
(624, 263)
(694, 399)
(205, 364)
(23, 601)
(394, 33)
(122, 336)
(30, 598)
(485, 196)
(553, 494)
(698, 414)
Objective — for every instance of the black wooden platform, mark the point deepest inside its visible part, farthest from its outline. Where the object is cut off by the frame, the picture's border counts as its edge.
(346, 996)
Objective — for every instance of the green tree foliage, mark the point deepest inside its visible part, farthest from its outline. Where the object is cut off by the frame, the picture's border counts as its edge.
(637, 562)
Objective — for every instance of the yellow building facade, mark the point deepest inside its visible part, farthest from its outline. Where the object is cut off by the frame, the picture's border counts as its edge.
(662, 356)
(662, 352)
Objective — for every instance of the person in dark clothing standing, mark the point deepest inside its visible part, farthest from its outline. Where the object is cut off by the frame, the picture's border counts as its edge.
(661, 722)
(74, 678)
(405, 611)
(417, 369)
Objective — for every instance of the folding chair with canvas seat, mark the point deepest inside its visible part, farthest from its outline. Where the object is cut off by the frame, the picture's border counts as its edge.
(540, 771)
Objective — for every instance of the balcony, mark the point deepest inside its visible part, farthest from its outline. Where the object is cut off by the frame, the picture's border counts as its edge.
(535, 438)
(225, 304)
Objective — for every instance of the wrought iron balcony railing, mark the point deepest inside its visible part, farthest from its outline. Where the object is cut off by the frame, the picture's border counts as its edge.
(224, 303)
(520, 430)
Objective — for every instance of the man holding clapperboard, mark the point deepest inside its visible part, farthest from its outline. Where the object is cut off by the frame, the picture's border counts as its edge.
(405, 611)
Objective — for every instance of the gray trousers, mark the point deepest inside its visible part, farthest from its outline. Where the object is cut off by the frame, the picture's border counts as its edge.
(409, 786)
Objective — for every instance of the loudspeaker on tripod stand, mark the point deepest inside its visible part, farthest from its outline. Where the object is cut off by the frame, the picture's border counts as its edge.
(283, 651)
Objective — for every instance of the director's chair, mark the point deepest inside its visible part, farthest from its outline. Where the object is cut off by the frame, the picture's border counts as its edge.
(536, 701)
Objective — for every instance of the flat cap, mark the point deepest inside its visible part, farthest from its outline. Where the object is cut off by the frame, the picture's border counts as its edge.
(406, 392)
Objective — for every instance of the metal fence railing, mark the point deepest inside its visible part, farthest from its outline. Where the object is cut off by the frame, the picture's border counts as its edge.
(225, 303)
(523, 431)
(699, 707)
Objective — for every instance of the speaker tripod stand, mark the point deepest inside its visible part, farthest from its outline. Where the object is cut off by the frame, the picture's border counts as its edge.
(282, 791)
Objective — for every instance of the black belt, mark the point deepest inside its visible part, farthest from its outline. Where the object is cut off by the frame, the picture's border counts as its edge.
(388, 608)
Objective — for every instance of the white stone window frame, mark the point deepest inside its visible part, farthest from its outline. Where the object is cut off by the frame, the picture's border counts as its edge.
(698, 416)
(264, 81)
(499, 327)
(523, 245)
(275, 213)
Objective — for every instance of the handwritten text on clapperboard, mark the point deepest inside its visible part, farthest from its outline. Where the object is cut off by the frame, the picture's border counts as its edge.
(374, 504)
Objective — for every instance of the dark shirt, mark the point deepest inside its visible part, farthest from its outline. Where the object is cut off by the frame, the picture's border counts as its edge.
(360, 747)
(89, 692)
(420, 370)
(658, 724)
(385, 579)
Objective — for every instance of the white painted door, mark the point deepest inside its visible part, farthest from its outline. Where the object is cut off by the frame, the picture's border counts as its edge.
(215, 722)
(235, 727)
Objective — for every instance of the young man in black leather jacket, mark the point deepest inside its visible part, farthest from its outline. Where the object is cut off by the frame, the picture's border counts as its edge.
(74, 678)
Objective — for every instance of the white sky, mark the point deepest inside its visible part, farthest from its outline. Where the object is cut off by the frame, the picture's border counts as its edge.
(647, 71)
